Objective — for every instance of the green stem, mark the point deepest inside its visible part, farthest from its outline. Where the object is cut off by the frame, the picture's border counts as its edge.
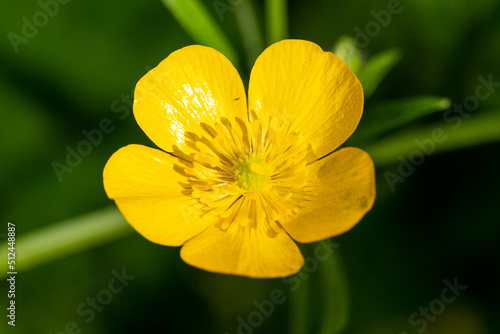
(298, 311)
(277, 20)
(300, 300)
(321, 303)
(66, 238)
(249, 26)
(336, 298)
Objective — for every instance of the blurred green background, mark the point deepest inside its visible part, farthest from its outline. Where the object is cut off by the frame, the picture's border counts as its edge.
(441, 223)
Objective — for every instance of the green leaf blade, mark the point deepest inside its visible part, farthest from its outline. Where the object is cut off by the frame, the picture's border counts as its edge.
(194, 17)
(377, 68)
(345, 48)
(387, 116)
(475, 130)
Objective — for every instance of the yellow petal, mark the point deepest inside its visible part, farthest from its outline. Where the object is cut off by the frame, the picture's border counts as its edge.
(252, 252)
(340, 191)
(148, 189)
(193, 85)
(312, 90)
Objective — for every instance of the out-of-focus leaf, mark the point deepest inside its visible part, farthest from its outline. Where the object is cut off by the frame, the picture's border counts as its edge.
(197, 21)
(346, 49)
(39, 129)
(277, 20)
(390, 115)
(475, 130)
(251, 33)
(67, 237)
(377, 67)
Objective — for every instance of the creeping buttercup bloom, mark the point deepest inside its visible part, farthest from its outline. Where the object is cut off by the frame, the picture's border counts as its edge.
(235, 182)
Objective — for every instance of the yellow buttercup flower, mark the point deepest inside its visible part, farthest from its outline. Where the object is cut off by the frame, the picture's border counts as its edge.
(236, 182)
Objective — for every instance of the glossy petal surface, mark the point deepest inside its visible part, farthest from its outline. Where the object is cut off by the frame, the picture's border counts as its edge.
(191, 86)
(240, 184)
(149, 188)
(311, 90)
(339, 192)
(246, 251)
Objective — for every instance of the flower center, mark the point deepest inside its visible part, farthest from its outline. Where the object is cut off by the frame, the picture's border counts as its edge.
(247, 173)
(251, 174)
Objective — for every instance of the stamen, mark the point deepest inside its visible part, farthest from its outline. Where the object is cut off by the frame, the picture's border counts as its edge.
(245, 172)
